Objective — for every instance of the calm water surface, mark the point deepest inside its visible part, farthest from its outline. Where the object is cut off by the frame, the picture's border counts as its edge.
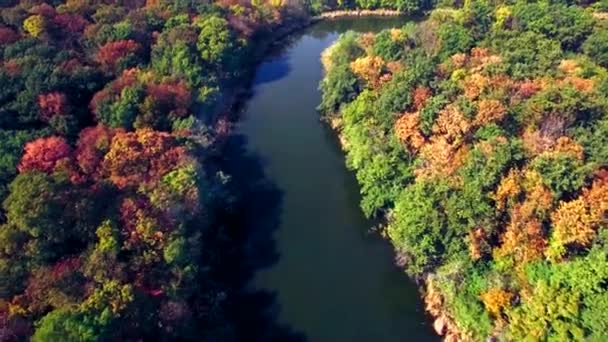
(331, 280)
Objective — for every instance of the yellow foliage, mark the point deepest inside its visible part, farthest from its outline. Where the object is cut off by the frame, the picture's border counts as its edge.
(474, 86)
(496, 300)
(576, 222)
(569, 66)
(573, 223)
(566, 145)
(508, 189)
(369, 69)
(34, 25)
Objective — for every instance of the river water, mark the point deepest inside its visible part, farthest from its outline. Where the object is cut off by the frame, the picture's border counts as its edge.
(325, 278)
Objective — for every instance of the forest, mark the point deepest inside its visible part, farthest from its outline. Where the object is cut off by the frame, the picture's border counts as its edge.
(480, 136)
(113, 218)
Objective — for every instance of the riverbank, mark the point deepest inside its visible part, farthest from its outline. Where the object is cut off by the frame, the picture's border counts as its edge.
(269, 40)
(358, 13)
(346, 287)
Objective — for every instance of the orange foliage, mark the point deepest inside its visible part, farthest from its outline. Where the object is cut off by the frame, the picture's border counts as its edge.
(524, 239)
(440, 158)
(420, 96)
(141, 157)
(489, 111)
(367, 40)
(496, 300)
(481, 58)
(580, 84)
(474, 86)
(459, 60)
(569, 66)
(452, 124)
(478, 243)
(407, 130)
(508, 190)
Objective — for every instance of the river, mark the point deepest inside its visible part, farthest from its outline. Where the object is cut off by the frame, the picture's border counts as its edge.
(318, 274)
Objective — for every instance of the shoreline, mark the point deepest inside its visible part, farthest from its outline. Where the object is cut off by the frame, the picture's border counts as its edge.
(229, 113)
(233, 98)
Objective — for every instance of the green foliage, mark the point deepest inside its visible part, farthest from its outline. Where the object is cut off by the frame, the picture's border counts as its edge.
(596, 47)
(418, 229)
(63, 325)
(454, 39)
(487, 142)
(562, 173)
(527, 54)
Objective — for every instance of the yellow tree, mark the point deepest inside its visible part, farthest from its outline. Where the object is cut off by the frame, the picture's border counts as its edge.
(34, 25)
(369, 69)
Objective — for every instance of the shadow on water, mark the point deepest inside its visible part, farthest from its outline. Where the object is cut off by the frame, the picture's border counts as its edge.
(254, 312)
(278, 69)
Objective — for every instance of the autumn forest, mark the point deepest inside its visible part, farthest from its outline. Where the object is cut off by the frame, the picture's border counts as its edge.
(478, 135)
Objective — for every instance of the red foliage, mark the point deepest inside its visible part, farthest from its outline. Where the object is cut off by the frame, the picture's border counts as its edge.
(142, 223)
(7, 35)
(528, 88)
(44, 9)
(93, 144)
(52, 104)
(110, 53)
(45, 154)
(171, 97)
(126, 79)
(12, 67)
(73, 23)
(66, 266)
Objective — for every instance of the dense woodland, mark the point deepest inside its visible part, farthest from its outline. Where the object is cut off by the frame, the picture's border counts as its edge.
(111, 219)
(481, 134)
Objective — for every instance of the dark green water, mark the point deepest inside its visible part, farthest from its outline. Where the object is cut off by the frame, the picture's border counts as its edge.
(326, 277)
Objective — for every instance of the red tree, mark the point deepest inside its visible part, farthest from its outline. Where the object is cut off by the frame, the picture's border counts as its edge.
(7, 35)
(72, 23)
(93, 144)
(52, 104)
(45, 154)
(111, 53)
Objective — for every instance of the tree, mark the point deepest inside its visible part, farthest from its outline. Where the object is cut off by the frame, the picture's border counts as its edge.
(369, 69)
(34, 25)
(45, 155)
(53, 104)
(142, 157)
(596, 47)
(215, 41)
(119, 55)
